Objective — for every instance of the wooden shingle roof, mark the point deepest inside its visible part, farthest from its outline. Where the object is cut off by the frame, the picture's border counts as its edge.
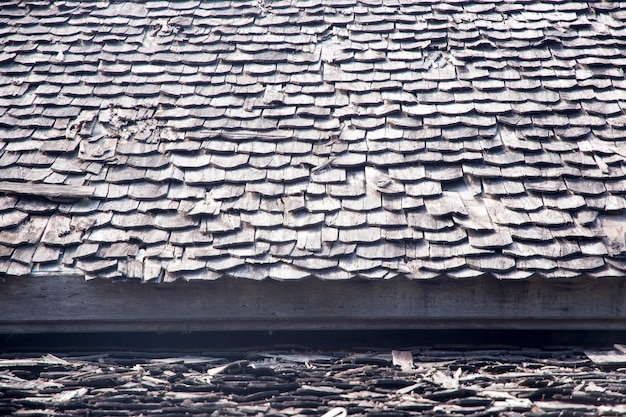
(333, 139)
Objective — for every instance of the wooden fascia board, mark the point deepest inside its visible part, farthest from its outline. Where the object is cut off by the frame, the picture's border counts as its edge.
(70, 304)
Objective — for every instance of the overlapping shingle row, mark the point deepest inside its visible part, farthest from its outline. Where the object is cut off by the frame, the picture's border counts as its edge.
(335, 139)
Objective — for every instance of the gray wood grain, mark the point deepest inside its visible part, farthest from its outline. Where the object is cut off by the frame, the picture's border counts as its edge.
(46, 190)
(68, 303)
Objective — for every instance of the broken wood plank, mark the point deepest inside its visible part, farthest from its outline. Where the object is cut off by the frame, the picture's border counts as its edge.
(51, 191)
(610, 357)
(45, 360)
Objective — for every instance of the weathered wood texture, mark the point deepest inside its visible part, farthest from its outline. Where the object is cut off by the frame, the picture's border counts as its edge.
(52, 191)
(69, 304)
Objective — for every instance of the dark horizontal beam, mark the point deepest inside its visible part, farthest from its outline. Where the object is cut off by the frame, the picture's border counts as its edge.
(70, 304)
(355, 340)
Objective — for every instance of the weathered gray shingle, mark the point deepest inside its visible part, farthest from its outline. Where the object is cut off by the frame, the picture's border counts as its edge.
(334, 139)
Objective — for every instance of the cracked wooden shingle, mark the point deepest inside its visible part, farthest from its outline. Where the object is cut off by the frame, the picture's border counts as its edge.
(387, 219)
(448, 203)
(423, 188)
(287, 272)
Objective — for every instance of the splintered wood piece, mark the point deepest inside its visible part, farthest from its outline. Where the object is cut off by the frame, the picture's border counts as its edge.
(619, 347)
(43, 361)
(336, 412)
(610, 357)
(12, 218)
(60, 232)
(229, 366)
(562, 405)
(187, 359)
(403, 359)
(51, 191)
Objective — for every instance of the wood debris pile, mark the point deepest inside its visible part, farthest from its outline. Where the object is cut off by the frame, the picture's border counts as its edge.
(511, 383)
